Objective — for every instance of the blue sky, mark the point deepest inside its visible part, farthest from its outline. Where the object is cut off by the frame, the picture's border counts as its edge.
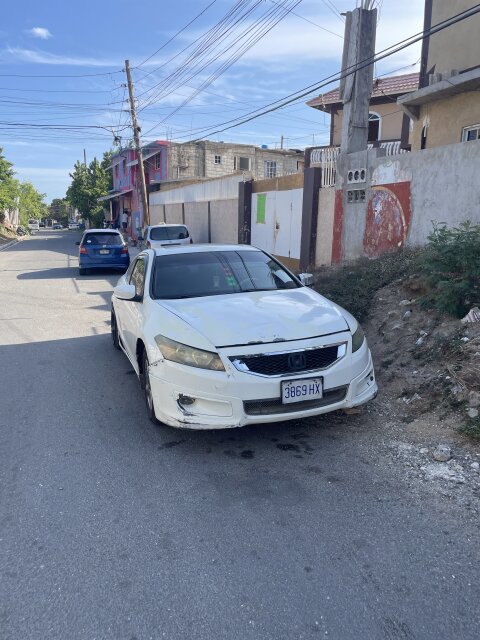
(92, 39)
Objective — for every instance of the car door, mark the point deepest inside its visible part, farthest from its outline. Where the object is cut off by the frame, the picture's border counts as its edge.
(132, 310)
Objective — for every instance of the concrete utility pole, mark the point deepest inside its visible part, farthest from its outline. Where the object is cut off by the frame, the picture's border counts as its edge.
(138, 147)
(356, 88)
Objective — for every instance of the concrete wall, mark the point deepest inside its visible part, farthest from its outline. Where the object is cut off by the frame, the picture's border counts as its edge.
(193, 201)
(403, 195)
(326, 209)
(457, 47)
(446, 119)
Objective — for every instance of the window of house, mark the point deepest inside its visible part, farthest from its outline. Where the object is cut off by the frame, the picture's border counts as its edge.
(124, 166)
(241, 164)
(374, 121)
(270, 169)
(423, 141)
(116, 171)
(471, 133)
(157, 161)
(218, 159)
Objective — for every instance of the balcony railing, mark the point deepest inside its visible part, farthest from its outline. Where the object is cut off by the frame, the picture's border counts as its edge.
(326, 158)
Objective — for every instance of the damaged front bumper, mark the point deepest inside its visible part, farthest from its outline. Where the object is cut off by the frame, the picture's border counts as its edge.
(189, 398)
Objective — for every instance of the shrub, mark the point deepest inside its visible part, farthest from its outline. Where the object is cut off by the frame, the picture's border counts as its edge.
(451, 266)
(353, 285)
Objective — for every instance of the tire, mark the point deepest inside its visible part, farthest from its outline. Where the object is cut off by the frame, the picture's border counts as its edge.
(82, 272)
(114, 330)
(145, 383)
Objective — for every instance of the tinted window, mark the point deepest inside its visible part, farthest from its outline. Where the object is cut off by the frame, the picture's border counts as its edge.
(189, 275)
(110, 239)
(168, 233)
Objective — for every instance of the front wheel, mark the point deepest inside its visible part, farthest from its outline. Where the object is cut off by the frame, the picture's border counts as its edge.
(148, 389)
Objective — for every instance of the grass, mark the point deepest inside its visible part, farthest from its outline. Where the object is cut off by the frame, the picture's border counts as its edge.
(471, 429)
(353, 285)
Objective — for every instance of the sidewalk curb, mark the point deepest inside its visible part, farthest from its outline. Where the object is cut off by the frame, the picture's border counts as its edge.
(8, 245)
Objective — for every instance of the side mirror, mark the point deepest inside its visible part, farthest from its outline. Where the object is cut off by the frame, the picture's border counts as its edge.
(125, 292)
(306, 279)
(77, 243)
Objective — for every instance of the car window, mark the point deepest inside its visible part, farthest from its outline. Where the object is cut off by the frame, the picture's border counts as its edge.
(109, 239)
(169, 233)
(188, 275)
(138, 276)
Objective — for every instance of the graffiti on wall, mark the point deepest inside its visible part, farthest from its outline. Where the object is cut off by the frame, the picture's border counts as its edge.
(388, 218)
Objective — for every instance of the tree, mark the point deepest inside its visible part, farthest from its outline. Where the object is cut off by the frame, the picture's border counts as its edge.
(59, 210)
(8, 184)
(88, 185)
(30, 203)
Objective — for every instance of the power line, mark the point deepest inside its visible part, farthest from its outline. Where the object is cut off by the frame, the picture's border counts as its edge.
(176, 34)
(84, 75)
(315, 24)
(302, 93)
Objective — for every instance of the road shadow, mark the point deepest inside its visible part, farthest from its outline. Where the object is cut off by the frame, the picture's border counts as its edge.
(71, 273)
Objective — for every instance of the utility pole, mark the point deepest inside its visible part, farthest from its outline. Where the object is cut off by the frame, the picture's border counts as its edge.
(84, 157)
(138, 146)
(281, 142)
(356, 88)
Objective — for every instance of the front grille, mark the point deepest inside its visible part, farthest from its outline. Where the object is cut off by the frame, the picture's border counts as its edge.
(277, 364)
(270, 407)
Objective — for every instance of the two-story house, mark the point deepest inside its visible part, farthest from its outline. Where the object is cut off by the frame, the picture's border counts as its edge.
(446, 108)
(198, 160)
(388, 126)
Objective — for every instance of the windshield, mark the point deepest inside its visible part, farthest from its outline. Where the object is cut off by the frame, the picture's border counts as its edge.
(190, 275)
(110, 239)
(168, 233)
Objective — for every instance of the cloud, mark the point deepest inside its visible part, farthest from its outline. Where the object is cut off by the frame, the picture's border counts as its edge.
(44, 57)
(40, 32)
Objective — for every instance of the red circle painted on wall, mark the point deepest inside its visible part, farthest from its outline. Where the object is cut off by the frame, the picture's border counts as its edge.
(386, 227)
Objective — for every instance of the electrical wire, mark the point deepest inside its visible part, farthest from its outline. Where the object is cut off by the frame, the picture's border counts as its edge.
(177, 34)
(302, 93)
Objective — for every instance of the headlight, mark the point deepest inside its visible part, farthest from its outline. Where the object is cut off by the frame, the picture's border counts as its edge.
(357, 339)
(182, 353)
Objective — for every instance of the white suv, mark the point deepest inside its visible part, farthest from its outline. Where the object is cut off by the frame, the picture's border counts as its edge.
(73, 225)
(159, 235)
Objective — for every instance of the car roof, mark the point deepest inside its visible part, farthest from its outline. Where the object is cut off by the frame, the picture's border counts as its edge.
(103, 231)
(201, 248)
(167, 224)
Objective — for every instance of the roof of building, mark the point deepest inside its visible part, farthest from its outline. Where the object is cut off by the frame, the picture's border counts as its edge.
(391, 86)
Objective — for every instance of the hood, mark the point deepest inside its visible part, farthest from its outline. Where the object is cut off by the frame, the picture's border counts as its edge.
(259, 317)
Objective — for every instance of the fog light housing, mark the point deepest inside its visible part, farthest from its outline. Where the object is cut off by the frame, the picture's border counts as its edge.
(185, 401)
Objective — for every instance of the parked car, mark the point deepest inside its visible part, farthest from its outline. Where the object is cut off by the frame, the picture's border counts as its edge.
(159, 235)
(223, 336)
(102, 249)
(41, 223)
(73, 225)
(33, 224)
(57, 225)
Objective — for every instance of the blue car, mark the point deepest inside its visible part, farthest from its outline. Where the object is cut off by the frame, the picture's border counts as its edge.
(102, 249)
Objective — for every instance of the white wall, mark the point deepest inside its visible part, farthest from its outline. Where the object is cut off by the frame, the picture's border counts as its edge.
(326, 211)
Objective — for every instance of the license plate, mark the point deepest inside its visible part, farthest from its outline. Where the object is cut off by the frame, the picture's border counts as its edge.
(299, 390)
(104, 251)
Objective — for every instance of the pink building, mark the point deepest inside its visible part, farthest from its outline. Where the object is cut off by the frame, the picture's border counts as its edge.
(125, 204)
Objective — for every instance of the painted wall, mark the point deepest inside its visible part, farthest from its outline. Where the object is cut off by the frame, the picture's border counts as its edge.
(403, 195)
(391, 123)
(326, 210)
(446, 119)
(457, 47)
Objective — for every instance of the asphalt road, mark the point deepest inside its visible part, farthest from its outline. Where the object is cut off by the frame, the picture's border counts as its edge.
(111, 528)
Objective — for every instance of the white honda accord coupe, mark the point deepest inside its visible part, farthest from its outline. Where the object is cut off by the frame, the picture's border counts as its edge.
(222, 336)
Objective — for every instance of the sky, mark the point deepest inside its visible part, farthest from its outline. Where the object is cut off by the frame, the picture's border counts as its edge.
(196, 65)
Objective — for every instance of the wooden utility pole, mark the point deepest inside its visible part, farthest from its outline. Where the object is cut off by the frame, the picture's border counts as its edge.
(138, 146)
